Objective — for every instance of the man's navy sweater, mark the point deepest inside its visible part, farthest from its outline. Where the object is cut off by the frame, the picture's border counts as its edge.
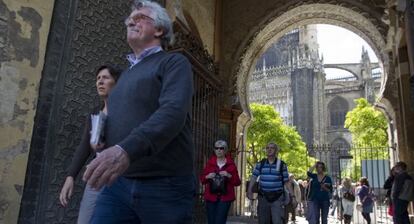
(149, 116)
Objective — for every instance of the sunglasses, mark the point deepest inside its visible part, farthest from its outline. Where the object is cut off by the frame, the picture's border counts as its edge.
(219, 148)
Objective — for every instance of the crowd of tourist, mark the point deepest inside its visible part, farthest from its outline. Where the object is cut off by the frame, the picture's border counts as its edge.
(316, 197)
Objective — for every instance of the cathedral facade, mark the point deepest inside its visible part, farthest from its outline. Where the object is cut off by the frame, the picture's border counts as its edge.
(291, 77)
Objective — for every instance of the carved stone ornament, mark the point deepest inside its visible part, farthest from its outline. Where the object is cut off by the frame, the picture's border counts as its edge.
(186, 41)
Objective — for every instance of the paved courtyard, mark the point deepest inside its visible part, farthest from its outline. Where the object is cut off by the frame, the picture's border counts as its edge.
(377, 219)
(245, 220)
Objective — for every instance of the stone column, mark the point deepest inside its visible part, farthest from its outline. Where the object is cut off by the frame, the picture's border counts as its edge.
(409, 35)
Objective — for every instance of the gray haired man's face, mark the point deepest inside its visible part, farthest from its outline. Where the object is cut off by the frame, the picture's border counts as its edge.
(141, 30)
(271, 150)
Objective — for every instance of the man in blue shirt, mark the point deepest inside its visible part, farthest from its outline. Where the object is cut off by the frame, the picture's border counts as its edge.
(272, 175)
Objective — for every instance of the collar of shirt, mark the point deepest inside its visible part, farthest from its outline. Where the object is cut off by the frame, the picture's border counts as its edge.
(133, 59)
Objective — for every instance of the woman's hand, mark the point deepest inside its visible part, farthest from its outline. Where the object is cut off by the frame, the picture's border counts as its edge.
(312, 168)
(225, 174)
(325, 187)
(66, 192)
(210, 175)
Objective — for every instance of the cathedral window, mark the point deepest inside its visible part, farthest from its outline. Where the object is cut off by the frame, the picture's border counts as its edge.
(337, 108)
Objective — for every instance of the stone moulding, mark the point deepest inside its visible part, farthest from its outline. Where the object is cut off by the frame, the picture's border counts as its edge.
(303, 15)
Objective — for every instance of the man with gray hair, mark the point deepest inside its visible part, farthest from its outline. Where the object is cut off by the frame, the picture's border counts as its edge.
(273, 180)
(147, 166)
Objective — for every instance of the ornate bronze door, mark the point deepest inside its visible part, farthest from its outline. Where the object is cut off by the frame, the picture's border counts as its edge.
(205, 104)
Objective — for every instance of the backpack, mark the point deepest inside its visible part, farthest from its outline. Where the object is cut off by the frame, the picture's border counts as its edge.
(407, 192)
(348, 195)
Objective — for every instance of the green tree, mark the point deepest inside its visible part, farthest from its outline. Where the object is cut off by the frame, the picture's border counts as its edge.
(267, 126)
(368, 127)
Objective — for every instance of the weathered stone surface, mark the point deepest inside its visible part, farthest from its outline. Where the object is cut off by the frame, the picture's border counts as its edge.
(24, 28)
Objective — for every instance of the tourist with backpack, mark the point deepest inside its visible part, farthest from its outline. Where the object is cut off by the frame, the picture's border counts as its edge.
(293, 204)
(366, 198)
(319, 194)
(402, 193)
(220, 176)
(273, 187)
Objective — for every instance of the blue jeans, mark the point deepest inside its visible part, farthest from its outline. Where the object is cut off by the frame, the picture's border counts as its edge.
(318, 209)
(146, 201)
(217, 211)
(400, 211)
(87, 205)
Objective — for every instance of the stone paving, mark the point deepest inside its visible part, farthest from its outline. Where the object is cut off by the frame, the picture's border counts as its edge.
(302, 220)
(247, 220)
(379, 216)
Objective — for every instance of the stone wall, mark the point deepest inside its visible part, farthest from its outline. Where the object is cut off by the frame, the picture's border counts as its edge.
(203, 15)
(24, 28)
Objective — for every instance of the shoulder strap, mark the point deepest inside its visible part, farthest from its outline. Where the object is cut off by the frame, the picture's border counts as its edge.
(262, 163)
(323, 180)
(281, 171)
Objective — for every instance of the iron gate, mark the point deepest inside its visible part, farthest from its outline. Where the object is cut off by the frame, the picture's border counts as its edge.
(358, 161)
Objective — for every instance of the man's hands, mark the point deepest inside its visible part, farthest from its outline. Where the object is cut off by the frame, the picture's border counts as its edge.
(252, 182)
(66, 192)
(106, 167)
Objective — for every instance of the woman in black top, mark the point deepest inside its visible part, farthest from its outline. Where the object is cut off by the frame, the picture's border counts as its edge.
(106, 78)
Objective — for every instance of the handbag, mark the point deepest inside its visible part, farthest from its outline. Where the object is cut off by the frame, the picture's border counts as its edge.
(218, 185)
(390, 210)
(349, 196)
(407, 192)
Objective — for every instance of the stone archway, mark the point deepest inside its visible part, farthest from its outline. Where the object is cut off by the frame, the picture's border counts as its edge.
(304, 15)
(281, 23)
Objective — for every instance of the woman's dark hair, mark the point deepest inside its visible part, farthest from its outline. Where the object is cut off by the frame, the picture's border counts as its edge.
(113, 70)
(364, 181)
(321, 164)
